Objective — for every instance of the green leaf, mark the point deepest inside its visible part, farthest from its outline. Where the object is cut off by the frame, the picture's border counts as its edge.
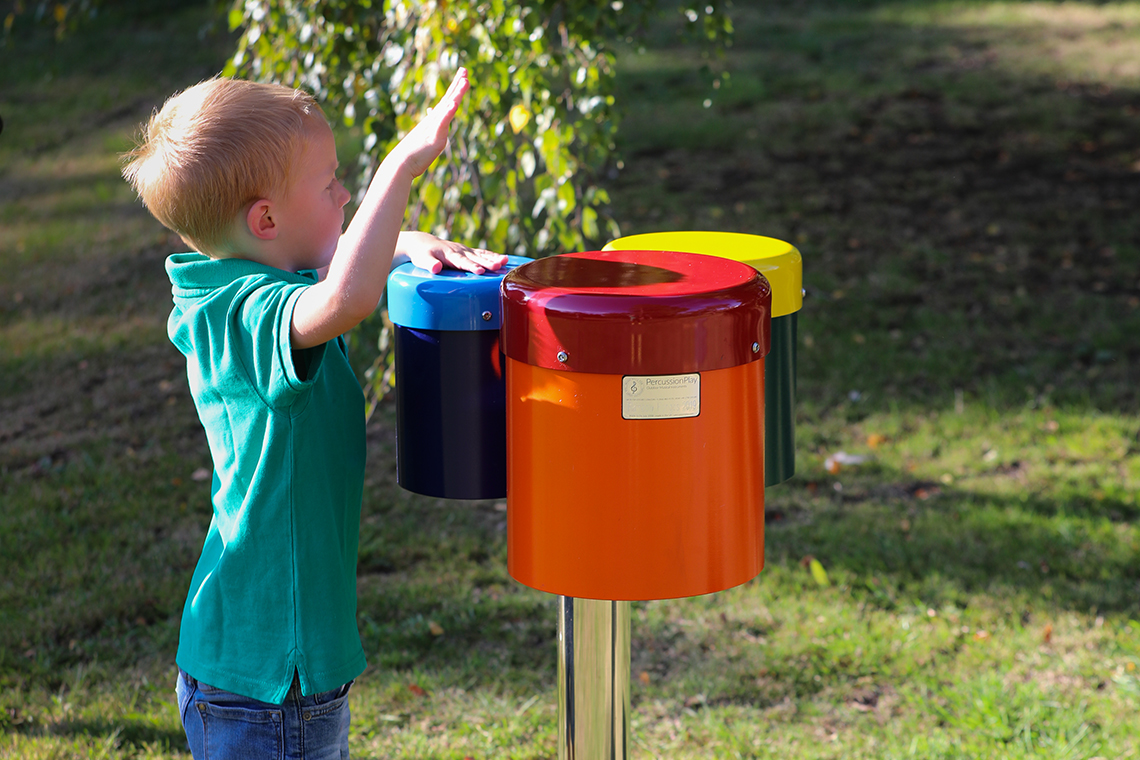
(819, 573)
(527, 163)
(590, 223)
(431, 196)
(567, 199)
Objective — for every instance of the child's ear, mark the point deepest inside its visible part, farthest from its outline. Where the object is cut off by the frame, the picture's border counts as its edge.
(259, 220)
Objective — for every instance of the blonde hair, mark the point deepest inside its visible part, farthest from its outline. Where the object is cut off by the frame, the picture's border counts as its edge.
(215, 148)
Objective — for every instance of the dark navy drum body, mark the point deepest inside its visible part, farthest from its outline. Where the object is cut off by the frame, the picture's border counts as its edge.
(451, 427)
(450, 390)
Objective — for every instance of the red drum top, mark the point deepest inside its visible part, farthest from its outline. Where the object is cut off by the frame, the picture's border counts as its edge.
(636, 312)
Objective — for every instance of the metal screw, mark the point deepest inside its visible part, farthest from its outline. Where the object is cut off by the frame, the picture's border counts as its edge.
(755, 348)
(486, 316)
(563, 356)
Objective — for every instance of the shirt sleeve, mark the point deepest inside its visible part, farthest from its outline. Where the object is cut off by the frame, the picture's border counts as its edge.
(263, 320)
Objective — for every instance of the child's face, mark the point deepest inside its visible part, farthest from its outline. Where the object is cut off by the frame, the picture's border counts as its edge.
(312, 211)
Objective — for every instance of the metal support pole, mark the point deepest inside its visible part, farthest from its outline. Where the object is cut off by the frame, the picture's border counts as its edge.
(593, 679)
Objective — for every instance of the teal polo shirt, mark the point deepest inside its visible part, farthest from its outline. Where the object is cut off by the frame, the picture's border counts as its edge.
(274, 591)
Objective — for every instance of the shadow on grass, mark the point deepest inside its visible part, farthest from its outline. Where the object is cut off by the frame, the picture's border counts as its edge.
(140, 734)
(940, 545)
(891, 543)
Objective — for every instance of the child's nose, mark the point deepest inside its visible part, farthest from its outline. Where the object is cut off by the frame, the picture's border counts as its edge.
(344, 195)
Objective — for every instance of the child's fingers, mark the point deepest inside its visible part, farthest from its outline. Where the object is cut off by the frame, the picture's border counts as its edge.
(464, 262)
(456, 256)
(435, 260)
(438, 119)
(475, 260)
(458, 86)
(428, 262)
(455, 92)
(489, 259)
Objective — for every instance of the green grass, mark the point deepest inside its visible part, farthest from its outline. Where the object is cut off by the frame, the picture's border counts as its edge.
(962, 181)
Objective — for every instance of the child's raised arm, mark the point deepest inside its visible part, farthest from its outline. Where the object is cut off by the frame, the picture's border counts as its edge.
(359, 269)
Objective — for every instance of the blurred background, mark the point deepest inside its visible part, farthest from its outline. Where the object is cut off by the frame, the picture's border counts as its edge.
(962, 180)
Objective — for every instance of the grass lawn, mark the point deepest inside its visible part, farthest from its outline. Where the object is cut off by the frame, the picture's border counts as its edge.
(962, 179)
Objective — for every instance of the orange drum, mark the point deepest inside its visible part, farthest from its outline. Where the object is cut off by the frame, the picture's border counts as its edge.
(635, 423)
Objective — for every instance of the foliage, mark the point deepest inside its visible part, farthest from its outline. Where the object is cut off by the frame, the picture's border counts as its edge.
(62, 15)
(525, 168)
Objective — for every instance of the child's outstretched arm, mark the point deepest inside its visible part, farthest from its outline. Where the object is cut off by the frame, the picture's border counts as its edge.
(359, 268)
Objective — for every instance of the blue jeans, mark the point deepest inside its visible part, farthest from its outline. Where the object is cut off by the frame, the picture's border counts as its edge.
(221, 725)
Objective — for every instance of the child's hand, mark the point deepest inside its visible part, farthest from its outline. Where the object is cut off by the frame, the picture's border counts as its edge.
(430, 253)
(427, 139)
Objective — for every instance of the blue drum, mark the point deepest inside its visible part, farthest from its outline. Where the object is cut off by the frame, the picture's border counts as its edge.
(450, 390)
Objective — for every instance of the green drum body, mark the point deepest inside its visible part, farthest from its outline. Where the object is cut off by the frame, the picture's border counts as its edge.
(780, 402)
(782, 265)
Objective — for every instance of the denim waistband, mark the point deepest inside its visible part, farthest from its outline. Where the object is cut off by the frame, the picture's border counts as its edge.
(294, 694)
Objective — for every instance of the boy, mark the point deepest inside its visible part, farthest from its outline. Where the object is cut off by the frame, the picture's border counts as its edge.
(245, 173)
